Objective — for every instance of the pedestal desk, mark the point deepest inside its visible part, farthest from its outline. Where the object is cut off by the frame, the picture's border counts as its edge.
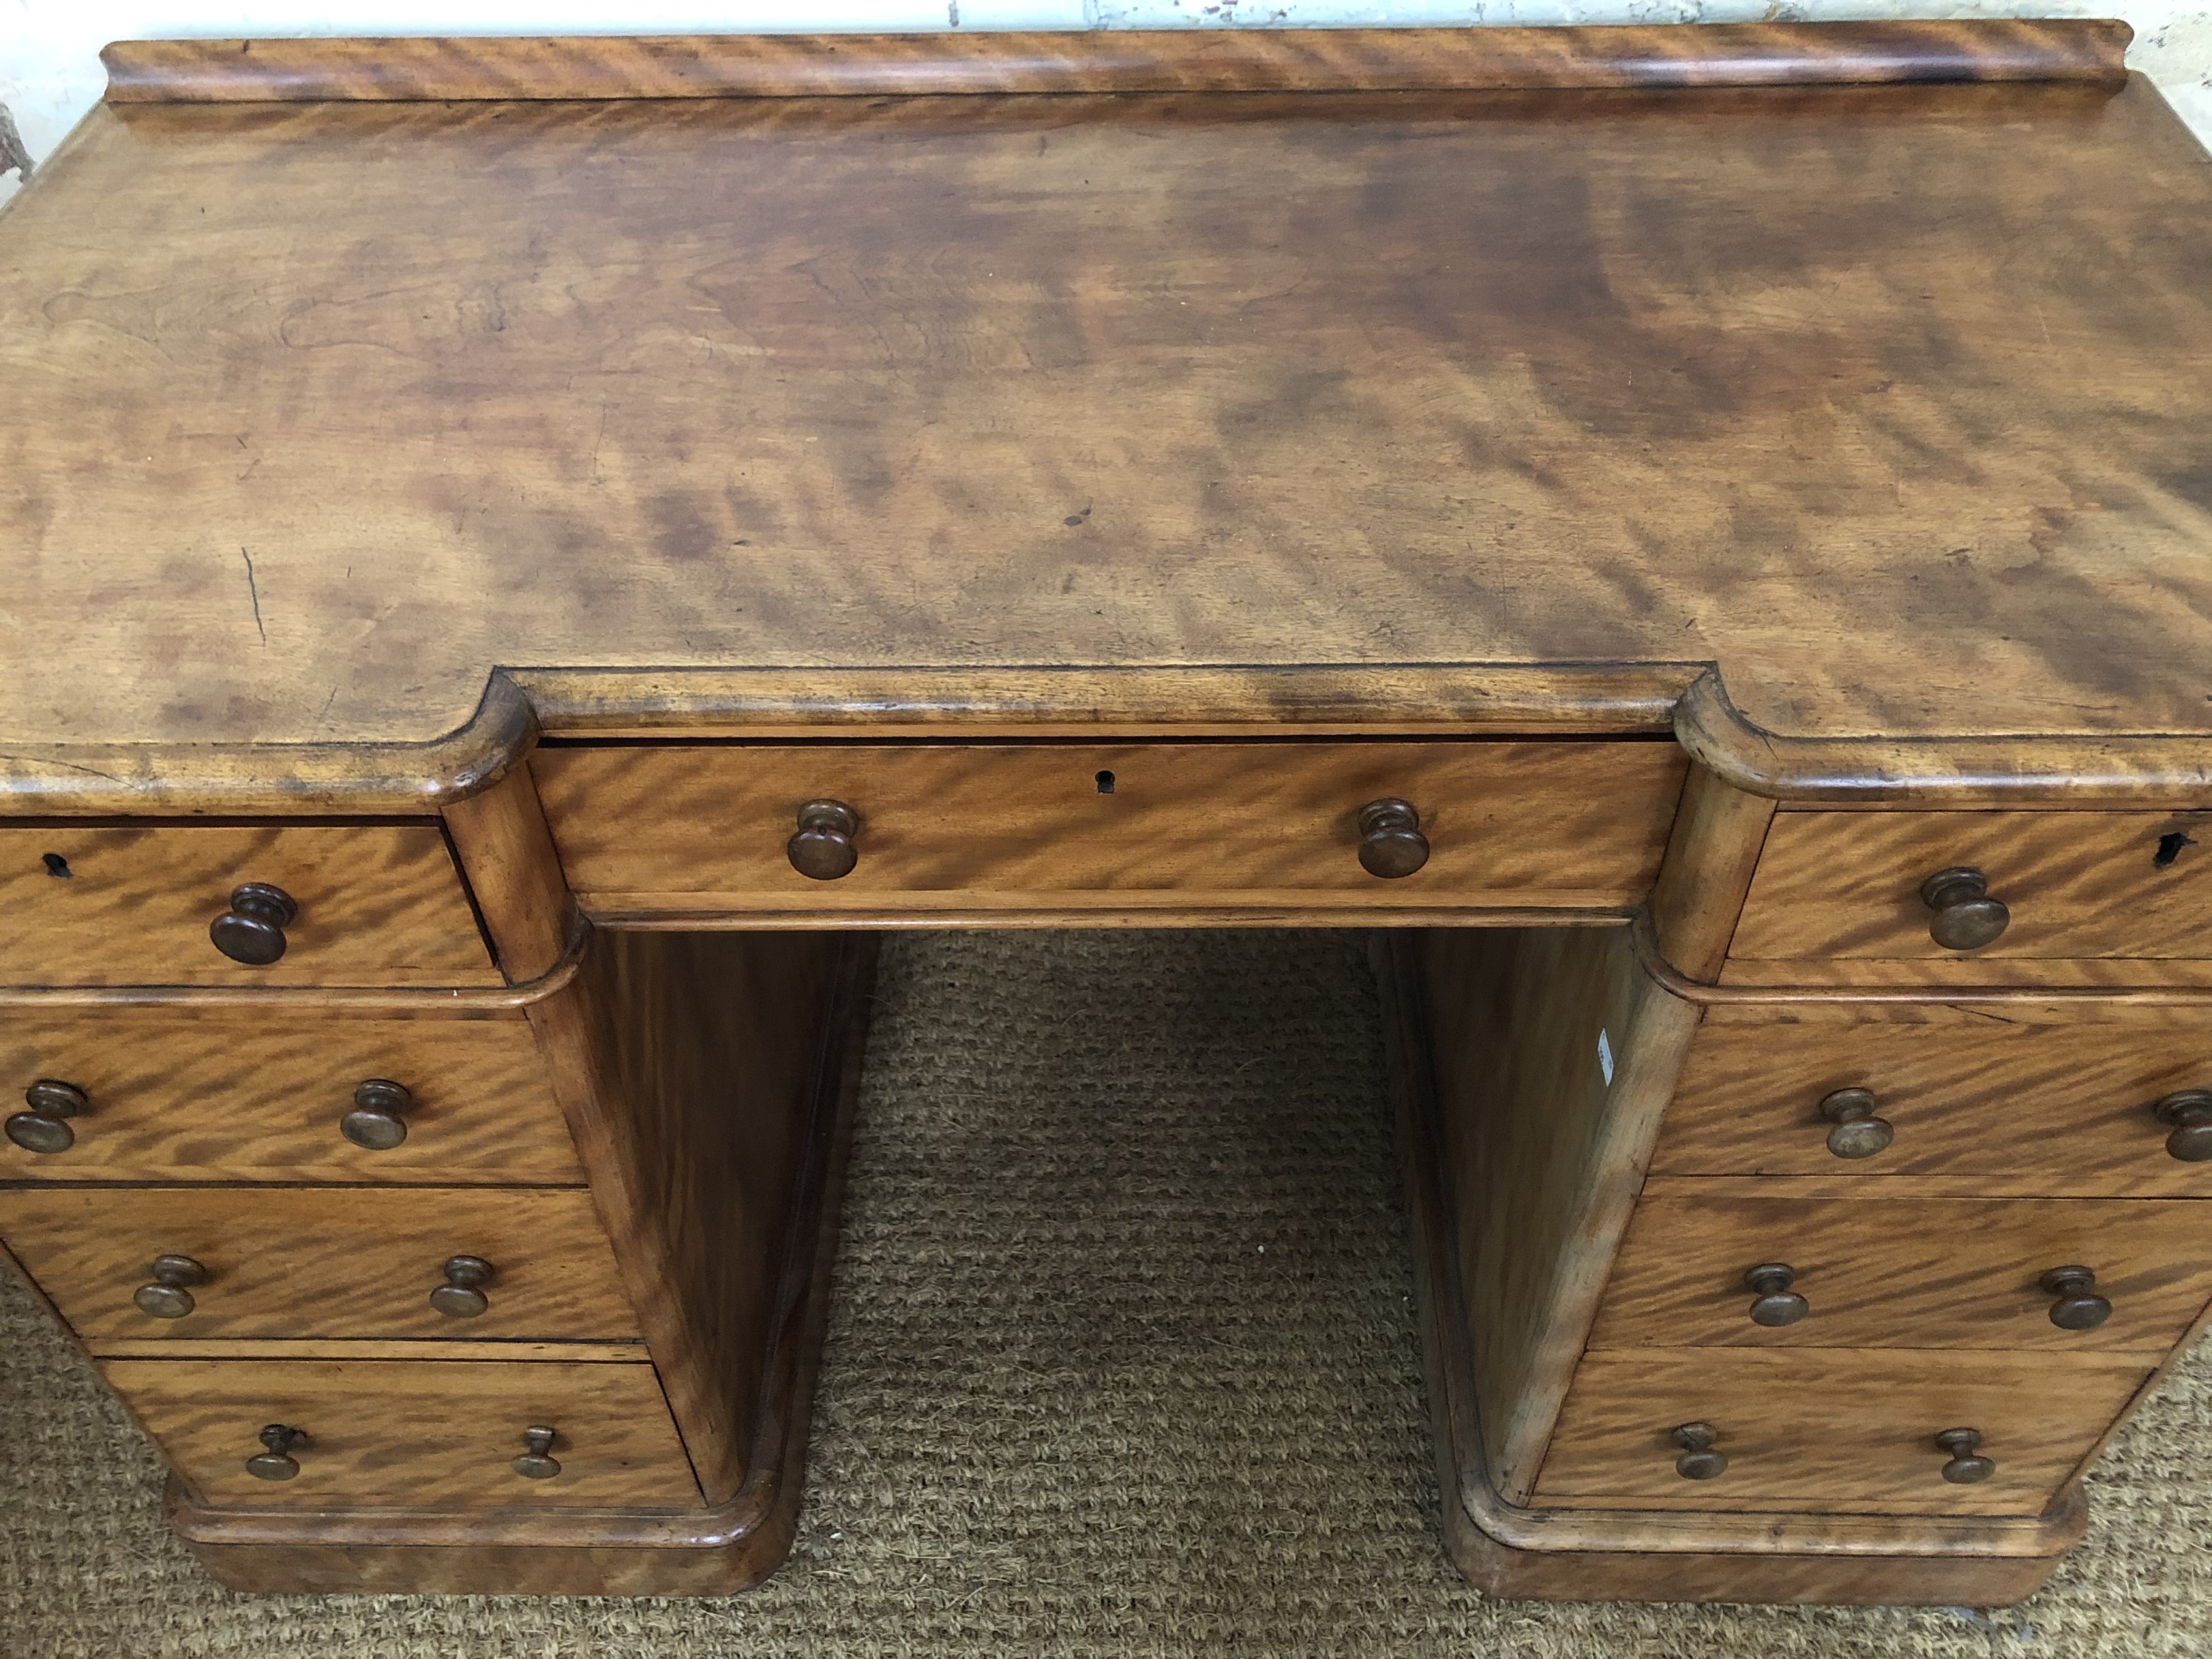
(522, 555)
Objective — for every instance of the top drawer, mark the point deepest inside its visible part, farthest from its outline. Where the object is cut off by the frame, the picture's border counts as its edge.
(1168, 827)
(371, 904)
(2054, 887)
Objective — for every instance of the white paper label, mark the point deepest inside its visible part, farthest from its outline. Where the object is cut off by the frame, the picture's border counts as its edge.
(1604, 1055)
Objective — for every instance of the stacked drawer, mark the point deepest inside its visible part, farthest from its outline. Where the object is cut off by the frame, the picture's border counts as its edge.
(1904, 1256)
(333, 1247)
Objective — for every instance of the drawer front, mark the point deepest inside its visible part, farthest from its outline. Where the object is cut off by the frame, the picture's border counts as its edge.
(299, 1262)
(2042, 1108)
(232, 1095)
(2076, 886)
(374, 904)
(1906, 1272)
(414, 1434)
(662, 829)
(1830, 1432)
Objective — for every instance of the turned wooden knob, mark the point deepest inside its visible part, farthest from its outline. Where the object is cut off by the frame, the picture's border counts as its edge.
(1776, 1304)
(1966, 917)
(253, 930)
(1856, 1131)
(275, 1460)
(537, 1462)
(378, 1122)
(2187, 1113)
(1965, 1467)
(461, 1297)
(2078, 1307)
(822, 850)
(44, 1126)
(167, 1297)
(1391, 843)
(1699, 1461)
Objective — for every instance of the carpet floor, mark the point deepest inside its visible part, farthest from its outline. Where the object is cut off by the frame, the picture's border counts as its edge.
(1123, 1361)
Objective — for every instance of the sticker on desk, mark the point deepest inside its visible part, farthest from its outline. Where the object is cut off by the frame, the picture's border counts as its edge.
(1604, 1055)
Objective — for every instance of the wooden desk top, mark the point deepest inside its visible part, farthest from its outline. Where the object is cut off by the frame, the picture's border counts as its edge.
(1890, 401)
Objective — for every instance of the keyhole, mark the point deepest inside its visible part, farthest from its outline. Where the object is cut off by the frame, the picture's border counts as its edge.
(2169, 848)
(57, 866)
(1105, 782)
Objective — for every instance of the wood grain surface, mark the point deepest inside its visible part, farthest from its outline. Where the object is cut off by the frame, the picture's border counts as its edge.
(2014, 1105)
(1553, 1058)
(778, 404)
(514, 877)
(378, 904)
(328, 1261)
(1712, 853)
(646, 830)
(1892, 1271)
(1846, 885)
(400, 1433)
(1122, 60)
(1829, 1430)
(182, 1095)
(699, 1071)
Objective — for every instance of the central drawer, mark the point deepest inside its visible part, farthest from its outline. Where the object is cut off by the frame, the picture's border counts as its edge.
(413, 1434)
(671, 829)
(279, 1262)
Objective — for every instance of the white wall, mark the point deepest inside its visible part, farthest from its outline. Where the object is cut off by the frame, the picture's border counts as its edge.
(50, 71)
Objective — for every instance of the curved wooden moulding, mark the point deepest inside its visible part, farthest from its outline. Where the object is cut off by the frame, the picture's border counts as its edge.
(521, 705)
(1966, 771)
(1175, 60)
(219, 779)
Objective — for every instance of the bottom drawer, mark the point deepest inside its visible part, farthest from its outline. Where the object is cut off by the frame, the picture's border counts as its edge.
(415, 1434)
(1831, 1431)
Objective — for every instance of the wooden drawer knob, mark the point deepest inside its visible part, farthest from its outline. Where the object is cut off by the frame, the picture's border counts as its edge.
(169, 1296)
(1776, 1304)
(378, 1122)
(253, 930)
(1966, 917)
(1856, 1131)
(461, 1297)
(1698, 1460)
(44, 1126)
(1965, 1468)
(537, 1462)
(2078, 1307)
(2188, 1115)
(275, 1461)
(1391, 843)
(822, 848)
